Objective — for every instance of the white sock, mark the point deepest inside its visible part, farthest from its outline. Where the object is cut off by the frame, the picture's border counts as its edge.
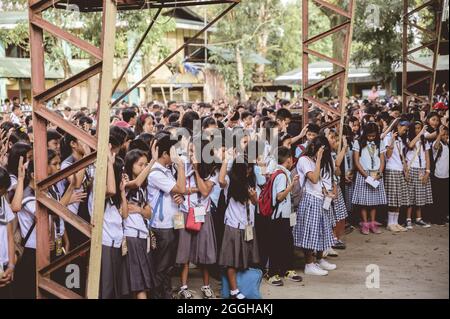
(391, 218)
(205, 287)
(418, 219)
(184, 287)
(396, 218)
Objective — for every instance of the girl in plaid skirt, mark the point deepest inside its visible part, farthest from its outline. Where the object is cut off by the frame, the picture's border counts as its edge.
(368, 157)
(418, 159)
(313, 231)
(394, 175)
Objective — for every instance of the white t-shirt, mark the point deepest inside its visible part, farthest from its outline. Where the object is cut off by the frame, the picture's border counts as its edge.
(26, 218)
(394, 163)
(112, 223)
(236, 213)
(419, 160)
(162, 179)
(6, 216)
(442, 164)
(366, 157)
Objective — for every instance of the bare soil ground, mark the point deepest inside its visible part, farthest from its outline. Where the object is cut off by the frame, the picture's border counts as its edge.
(412, 265)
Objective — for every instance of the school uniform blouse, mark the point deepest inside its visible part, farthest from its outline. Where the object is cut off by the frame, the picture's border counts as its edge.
(279, 185)
(26, 218)
(236, 213)
(112, 223)
(394, 163)
(306, 165)
(6, 216)
(162, 179)
(136, 225)
(366, 158)
(417, 161)
(193, 198)
(442, 164)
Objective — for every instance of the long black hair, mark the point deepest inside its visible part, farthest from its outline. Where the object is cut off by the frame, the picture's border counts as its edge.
(17, 150)
(241, 180)
(326, 164)
(412, 133)
(131, 158)
(118, 171)
(369, 128)
(66, 149)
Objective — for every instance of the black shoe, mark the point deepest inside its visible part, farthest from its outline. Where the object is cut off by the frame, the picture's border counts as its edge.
(339, 245)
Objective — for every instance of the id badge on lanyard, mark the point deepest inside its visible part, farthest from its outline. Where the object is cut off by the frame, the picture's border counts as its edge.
(178, 220)
(327, 202)
(249, 228)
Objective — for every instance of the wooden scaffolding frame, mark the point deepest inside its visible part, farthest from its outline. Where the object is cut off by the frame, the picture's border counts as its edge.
(99, 143)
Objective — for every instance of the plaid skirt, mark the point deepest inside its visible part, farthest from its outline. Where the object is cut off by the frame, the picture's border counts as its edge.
(348, 196)
(338, 208)
(366, 195)
(314, 225)
(396, 186)
(419, 194)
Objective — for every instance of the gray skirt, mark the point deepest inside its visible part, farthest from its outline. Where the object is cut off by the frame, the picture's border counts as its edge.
(111, 273)
(396, 186)
(138, 268)
(199, 248)
(235, 251)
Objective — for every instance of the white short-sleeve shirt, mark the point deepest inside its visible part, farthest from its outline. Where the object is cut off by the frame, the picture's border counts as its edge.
(26, 218)
(162, 179)
(236, 213)
(280, 184)
(304, 166)
(112, 224)
(366, 158)
(442, 164)
(394, 163)
(193, 198)
(419, 160)
(6, 216)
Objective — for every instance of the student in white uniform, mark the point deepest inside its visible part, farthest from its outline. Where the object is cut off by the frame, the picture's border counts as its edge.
(369, 159)
(239, 245)
(7, 256)
(313, 230)
(165, 195)
(395, 178)
(281, 250)
(138, 270)
(112, 237)
(197, 247)
(25, 283)
(440, 178)
(419, 170)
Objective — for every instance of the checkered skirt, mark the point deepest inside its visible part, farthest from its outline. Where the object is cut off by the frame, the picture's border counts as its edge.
(397, 192)
(348, 196)
(419, 194)
(338, 208)
(314, 226)
(366, 195)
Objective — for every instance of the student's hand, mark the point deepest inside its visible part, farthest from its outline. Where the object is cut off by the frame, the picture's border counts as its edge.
(52, 245)
(441, 130)
(230, 155)
(178, 199)
(304, 130)
(77, 197)
(132, 208)
(425, 178)
(394, 137)
(253, 195)
(424, 129)
(86, 148)
(154, 150)
(124, 182)
(294, 181)
(344, 143)
(21, 169)
(320, 153)
(175, 157)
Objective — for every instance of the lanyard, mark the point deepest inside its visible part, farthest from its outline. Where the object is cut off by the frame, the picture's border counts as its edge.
(372, 149)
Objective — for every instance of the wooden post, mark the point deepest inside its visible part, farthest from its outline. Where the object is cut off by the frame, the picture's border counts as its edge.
(305, 62)
(108, 42)
(405, 56)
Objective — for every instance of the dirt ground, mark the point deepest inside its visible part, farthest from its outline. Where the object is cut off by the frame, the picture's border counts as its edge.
(411, 265)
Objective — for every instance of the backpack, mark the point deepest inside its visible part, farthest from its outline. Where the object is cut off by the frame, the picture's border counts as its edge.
(296, 193)
(265, 201)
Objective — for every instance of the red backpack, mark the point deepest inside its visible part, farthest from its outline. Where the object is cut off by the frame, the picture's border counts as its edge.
(265, 200)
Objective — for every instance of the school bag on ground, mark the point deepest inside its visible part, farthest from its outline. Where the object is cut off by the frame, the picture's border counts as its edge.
(248, 282)
(265, 200)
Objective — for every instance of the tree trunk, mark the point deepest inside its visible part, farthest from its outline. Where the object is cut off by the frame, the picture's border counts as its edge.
(388, 86)
(263, 39)
(240, 72)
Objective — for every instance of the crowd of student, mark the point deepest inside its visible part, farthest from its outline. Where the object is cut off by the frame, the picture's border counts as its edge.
(166, 208)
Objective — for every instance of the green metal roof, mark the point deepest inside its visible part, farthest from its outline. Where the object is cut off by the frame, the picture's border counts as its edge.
(20, 68)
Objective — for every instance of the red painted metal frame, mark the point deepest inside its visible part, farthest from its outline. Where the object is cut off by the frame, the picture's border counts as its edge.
(42, 115)
(433, 45)
(341, 75)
